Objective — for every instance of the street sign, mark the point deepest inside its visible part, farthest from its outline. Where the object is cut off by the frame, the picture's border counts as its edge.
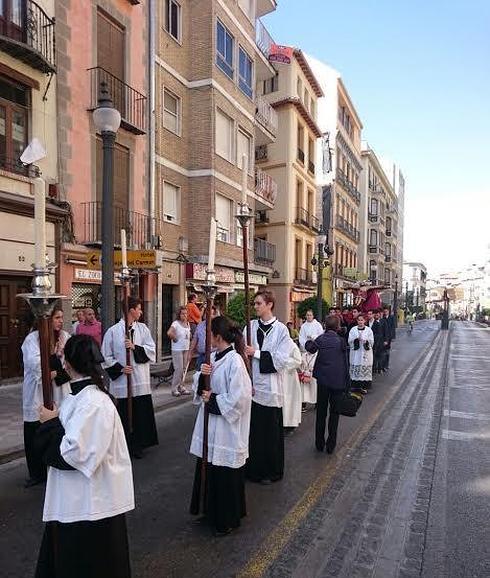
(136, 260)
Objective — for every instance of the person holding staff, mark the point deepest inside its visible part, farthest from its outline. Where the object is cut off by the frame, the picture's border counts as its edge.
(270, 352)
(310, 330)
(90, 482)
(228, 403)
(32, 393)
(143, 350)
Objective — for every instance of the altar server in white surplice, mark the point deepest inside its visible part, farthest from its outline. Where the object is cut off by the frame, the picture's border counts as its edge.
(310, 330)
(229, 403)
(143, 351)
(270, 352)
(292, 398)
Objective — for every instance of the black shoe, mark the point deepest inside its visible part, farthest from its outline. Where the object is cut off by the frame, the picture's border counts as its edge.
(30, 482)
(221, 533)
(330, 446)
(320, 447)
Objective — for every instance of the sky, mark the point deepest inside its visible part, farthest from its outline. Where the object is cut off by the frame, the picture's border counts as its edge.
(418, 73)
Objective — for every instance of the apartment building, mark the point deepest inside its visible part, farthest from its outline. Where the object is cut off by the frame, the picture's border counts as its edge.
(415, 284)
(292, 226)
(28, 84)
(210, 57)
(379, 252)
(102, 41)
(339, 178)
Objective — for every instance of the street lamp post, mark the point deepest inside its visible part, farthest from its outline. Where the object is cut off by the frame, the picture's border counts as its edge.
(322, 244)
(107, 120)
(395, 302)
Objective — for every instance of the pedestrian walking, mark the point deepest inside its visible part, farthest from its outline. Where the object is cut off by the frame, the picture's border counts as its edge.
(194, 314)
(229, 405)
(331, 372)
(270, 351)
(90, 482)
(198, 343)
(141, 433)
(32, 391)
(293, 396)
(361, 341)
(309, 331)
(90, 326)
(180, 334)
(388, 331)
(80, 316)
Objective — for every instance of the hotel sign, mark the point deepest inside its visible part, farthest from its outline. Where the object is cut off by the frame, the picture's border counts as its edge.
(281, 54)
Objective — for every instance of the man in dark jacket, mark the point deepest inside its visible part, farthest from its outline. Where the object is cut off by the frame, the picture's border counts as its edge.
(331, 371)
(387, 323)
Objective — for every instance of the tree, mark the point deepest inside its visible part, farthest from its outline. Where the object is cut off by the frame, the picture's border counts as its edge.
(311, 303)
(235, 309)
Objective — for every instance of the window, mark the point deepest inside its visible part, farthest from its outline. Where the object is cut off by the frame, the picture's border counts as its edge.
(171, 112)
(388, 224)
(271, 84)
(388, 249)
(387, 276)
(173, 18)
(224, 49)
(224, 135)
(170, 203)
(111, 40)
(14, 103)
(373, 237)
(244, 147)
(224, 210)
(374, 207)
(245, 73)
(306, 100)
(299, 87)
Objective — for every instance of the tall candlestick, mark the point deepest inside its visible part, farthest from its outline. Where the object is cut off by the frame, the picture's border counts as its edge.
(124, 250)
(244, 179)
(39, 223)
(212, 245)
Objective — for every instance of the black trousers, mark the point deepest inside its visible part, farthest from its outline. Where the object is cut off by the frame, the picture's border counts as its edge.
(266, 444)
(144, 434)
(37, 469)
(324, 406)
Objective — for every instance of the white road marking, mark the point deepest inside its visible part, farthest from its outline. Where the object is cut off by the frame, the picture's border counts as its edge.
(467, 415)
(464, 436)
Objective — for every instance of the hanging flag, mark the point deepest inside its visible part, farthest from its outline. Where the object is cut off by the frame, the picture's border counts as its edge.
(281, 54)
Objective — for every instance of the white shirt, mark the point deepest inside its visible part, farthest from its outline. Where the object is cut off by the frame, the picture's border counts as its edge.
(309, 330)
(227, 433)
(114, 351)
(32, 389)
(183, 337)
(101, 486)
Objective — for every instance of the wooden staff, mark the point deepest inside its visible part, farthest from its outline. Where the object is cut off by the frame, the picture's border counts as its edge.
(128, 357)
(44, 328)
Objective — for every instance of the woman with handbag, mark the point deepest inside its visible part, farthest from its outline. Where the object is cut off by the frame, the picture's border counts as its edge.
(332, 375)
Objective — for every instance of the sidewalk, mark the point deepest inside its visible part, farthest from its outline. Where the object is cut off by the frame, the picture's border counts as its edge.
(12, 425)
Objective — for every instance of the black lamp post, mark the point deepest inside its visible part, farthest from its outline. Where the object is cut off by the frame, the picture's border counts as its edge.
(107, 120)
(395, 302)
(323, 248)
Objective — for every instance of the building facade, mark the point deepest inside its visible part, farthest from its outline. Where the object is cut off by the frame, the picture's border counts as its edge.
(293, 224)
(103, 41)
(340, 161)
(210, 57)
(415, 285)
(28, 88)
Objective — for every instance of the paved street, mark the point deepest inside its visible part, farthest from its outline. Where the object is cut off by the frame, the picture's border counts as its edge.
(406, 494)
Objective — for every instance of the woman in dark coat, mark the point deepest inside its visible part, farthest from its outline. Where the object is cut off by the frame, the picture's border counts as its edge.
(331, 371)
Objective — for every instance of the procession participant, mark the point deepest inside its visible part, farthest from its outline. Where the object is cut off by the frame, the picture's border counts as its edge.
(32, 390)
(361, 341)
(332, 374)
(229, 404)
(90, 482)
(292, 391)
(80, 314)
(90, 326)
(180, 334)
(270, 350)
(142, 353)
(378, 347)
(310, 330)
(388, 329)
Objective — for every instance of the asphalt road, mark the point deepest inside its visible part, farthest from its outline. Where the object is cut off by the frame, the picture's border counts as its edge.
(402, 496)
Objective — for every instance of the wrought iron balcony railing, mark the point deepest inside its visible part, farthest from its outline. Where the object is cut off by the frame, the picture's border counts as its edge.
(29, 36)
(265, 252)
(128, 101)
(348, 186)
(263, 39)
(266, 115)
(265, 186)
(347, 228)
(311, 167)
(305, 218)
(303, 276)
(15, 166)
(137, 226)
(301, 156)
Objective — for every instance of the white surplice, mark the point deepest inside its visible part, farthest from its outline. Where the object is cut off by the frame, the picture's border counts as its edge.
(268, 387)
(101, 485)
(114, 351)
(310, 330)
(291, 408)
(361, 360)
(32, 390)
(227, 433)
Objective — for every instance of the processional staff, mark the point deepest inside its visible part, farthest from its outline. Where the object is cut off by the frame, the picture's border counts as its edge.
(125, 280)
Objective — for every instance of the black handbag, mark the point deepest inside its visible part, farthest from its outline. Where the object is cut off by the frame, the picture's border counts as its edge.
(348, 403)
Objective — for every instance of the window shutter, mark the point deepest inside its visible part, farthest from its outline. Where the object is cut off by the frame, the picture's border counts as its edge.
(243, 148)
(110, 46)
(223, 135)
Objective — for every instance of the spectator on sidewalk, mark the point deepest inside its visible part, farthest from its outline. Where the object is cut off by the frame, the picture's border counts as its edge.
(32, 391)
(198, 344)
(90, 326)
(194, 314)
(180, 334)
(80, 318)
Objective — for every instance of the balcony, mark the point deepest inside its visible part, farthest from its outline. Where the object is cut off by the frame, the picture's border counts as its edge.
(261, 153)
(265, 253)
(265, 7)
(303, 276)
(387, 258)
(15, 166)
(311, 168)
(301, 156)
(307, 219)
(264, 42)
(388, 232)
(373, 217)
(266, 117)
(128, 101)
(345, 227)
(265, 188)
(31, 38)
(375, 249)
(261, 218)
(137, 226)
(341, 178)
